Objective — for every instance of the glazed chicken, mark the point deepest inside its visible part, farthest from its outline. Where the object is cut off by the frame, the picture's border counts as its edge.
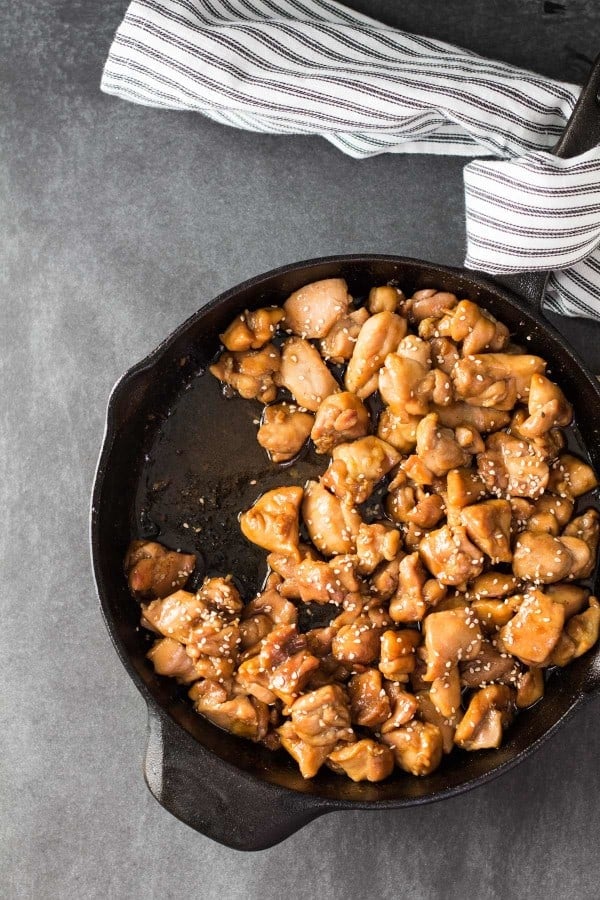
(429, 571)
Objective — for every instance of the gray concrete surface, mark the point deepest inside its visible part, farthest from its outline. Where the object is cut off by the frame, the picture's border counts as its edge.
(116, 223)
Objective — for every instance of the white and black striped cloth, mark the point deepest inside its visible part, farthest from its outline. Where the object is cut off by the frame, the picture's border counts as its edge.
(316, 67)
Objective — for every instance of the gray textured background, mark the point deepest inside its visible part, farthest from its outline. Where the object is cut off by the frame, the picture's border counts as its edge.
(117, 223)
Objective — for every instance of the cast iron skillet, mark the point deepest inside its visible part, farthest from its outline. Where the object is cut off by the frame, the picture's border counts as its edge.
(177, 456)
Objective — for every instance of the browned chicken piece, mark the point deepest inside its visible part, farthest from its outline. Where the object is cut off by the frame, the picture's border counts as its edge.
(584, 557)
(304, 374)
(378, 337)
(415, 470)
(571, 596)
(244, 716)
(250, 373)
(285, 657)
(251, 330)
(484, 420)
(399, 431)
(469, 439)
(543, 523)
(493, 614)
(544, 559)
(571, 477)
(495, 380)
(374, 544)
(410, 503)
(493, 584)
(444, 353)
(489, 712)
(270, 603)
(583, 629)
(475, 327)
(309, 758)
(313, 581)
(410, 602)
(530, 688)
(253, 629)
(331, 524)
(417, 747)
(365, 760)
(403, 706)
(438, 446)
(450, 556)
(338, 346)
(445, 693)
(340, 418)
(385, 298)
(429, 304)
(451, 636)
(369, 703)
(284, 430)
(384, 581)
(357, 643)
(402, 377)
(169, 658)
(273, 521)
(252, 679)
(512, 466)
(463, 487)
(397, 656)
(488, 526)
(322, 717)
(490, 665)
(547, 406)
(356, 468)
(586, 527)
(175, 616)
(221, 596)
(534, 630)
(427, 712)
(345, 568)
(154, 571)
(313, 310)
(560, 507)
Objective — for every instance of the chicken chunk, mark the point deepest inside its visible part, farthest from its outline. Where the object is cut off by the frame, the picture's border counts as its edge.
(429, 304)
(547, 406)
(586, 527)
(397, 659)
(444, 353)
(244, 716)
(273, 521)
(270, 603)
(289, 664)
(356, 468)
(561, 508)
(488, 526)
(304, 374)
(495, 380)
(404, 382)
(310, 758)
(403, 706)
(385, 298)
(571, 477)
(369, 703)
(154, 571)
(331, 524)
(489, 712)
(464, 487)
(284, 430)
(407, 503)
(451, 636)
(533, 632)
(462, 414)
(475, 327)
(570, 596)
(399, 431)
(341, 417)
(544, 559)
(358, 642)
(374, 544)
(417, 747)
(411, 601)
(175, 616)
(322, 717)
(365, 760)
(338, 346)
(530, 688)
(490, 665)
(250, 373)
(313, 310)
(450, 556)
(445, 692)
(427, 712)
(379, 336)
(251, 330)
(512, 466)
(169, 658)
(438, 446)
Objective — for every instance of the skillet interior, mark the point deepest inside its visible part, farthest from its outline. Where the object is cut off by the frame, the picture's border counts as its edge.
(166, 424)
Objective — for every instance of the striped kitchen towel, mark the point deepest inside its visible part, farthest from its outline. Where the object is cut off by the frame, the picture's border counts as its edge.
(317, 67)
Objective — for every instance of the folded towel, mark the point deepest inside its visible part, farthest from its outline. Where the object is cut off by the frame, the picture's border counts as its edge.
(316, 67)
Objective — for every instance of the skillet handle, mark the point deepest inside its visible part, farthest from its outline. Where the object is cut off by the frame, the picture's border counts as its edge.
(581, 133)
(230, 807)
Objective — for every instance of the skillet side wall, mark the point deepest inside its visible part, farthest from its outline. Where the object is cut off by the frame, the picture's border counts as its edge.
(136, 409)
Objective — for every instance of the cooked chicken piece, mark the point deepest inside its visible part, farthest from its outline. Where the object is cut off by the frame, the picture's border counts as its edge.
(384, 581)
(484, 420)
(451, 636)
(412, 536)
(244, 716)
(444, 353)
(543, 523)
(169, 658)
(583, 629)
(586, 527)
(251, 679)
(253, 629)
(313, 310)
(534, 630)
(399, 431)
(284, 430)
(369, 703)
(397, 659)
(403, 706)
(488, 526)
(493, 614)
(366, 760)
(340, 418)
(402, 379)
(571, 596)
(285, 657)
(560, 507)
(374, 544)
(469, 439)
(379, 336)
(338, 346)
(154, 571)
(495, 380)
(345, 568)
(445, 693)
(417, 747)
(174, 616)
(530, 688)
(356, 468)
(438, 447)
(427, 712)
(221, 595)
(385, 299)
(250, 373)
(313, 581)
(450, 556)
(493, 585)
(323, 716)
(512, 466)
(463, 487)
(406, 503)
(304, 374)
(490, 665)
(584, 557)
(357, 643)
(475, 327)
(489, 712)
(273, 521)
(251, 330)
(270, 603)
(547, 406)
(545, 559)
(429, 304)
(331, 524)
(412, 599)
(571, 477)
(309, 758)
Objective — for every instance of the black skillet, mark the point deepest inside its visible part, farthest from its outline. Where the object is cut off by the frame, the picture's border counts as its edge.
(177, 456)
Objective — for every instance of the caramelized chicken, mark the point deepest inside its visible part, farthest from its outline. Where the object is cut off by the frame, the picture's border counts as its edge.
(438, 446)
(338, 346)
(310, 758)
(417, 747)
(154, 571)
(404, 382)
(462, 414)
(365, 760)
(397, 659)
(493, 584)
(331, 524)
(273, 521)
(289, 664)
(322, 717)
(399, 431)
(490, 665)
(570, 596)
(532, 633)
(169, 658)
(512, 466)
(445, 692)
(450, 556)
(407, 503)
(451, 636)
(489, 712)
(403, 705)
(495, 380)
(386, 298)
(530, 688)
(270, 603)
(427, 712)
(571, 477)
(313, 310)
(488, 526)
(475, 327)
(304, 374)
(412, 599)
(284, 430)
(544, 559)
(356, 468)
(340, 418)
(464, 487)
(369, 703)
(429, 304)
(547, 406)
(251, 330)
(250, 373)
(244, 716)
(374, 544)
(379, 336)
